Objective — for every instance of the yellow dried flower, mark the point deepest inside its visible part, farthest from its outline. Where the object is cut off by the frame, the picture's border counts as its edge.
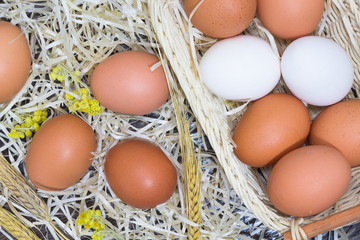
(69, 97)
(31, 124)
(92, 219)
(85, 103)
(97, 235)
(82, 102)
(61, 72)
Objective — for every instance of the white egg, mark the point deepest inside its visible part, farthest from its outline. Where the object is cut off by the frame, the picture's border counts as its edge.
(317, 70)
(240, 68)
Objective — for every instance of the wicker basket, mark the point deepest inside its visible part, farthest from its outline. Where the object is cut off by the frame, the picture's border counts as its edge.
(341, 23)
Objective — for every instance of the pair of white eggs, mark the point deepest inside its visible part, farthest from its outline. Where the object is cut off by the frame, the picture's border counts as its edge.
(316, 70)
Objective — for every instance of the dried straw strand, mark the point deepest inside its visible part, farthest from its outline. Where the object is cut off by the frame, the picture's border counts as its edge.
(23, 193)
(191, 168)
(15, 227)
(178, 38)
(191, 164)
(209, 110)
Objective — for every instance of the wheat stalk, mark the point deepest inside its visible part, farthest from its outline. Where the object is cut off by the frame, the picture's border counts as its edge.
(23, 193)
(15, 227)
(191, 168)
(191, 164)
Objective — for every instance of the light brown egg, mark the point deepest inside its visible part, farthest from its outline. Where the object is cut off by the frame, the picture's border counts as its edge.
(60, 152)
(308, 180)
(221, 19)
(125, 83)
(339, 126)
(290, 19)
(271, 127)
(140, 173)
(15, 60)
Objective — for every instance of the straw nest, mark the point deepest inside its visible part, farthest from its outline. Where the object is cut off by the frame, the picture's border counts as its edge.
(79, 35)
(217, 197)
(340, 23)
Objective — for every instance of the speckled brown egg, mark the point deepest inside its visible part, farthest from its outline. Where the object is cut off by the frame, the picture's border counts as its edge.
(15, 60)
(60, 152)
(308, 180)
(140, 173)
(271, 127)
(290, 19)
(130, 82)
(221, 19)
(339, 126)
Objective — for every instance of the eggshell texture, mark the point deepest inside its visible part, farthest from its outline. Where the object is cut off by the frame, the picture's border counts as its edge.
(125, 83)
(271, 127)
(140, 173)
(290, 19)
(60, 152)
(15, 60)
(339, 126)
(231, 68)
(221, 19)
(308, 180)
(317, 70)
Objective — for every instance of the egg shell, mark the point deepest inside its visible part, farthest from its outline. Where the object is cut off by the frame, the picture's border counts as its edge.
(125, 83)
(140, 173)
(308, 180)
(221, 19)
(338, 126)
(317, 70)
(231, 68)
(290, 19)
(271, 127)
(60, 152)
(15, 60)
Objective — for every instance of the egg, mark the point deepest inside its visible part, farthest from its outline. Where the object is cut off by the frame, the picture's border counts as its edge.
(221, 19)
(308, 180)
(140, 173)
(271, 127)
(15, 60)
(338, 126)
(130, 82)
(290, 19)
(60, 152)
(317, 70)
(240, 68)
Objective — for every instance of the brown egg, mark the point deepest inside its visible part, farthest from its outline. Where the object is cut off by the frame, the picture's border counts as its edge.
(221, 19)
(290, 19)
(339, 126)
(271, 127)
(60, 152)
(125, 83)
(140, 173)
(15, 60)
(308, 180)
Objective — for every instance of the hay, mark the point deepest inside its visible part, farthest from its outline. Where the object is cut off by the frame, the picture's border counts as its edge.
(340, 23)
(79, 35)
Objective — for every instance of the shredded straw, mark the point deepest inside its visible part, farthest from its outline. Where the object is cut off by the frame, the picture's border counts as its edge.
(217, 197)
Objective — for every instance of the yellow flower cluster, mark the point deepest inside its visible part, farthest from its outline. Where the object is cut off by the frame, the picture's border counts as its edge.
(92, 219)
(85, 103)
(60, 73)
(31, 124)
(79, 100)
